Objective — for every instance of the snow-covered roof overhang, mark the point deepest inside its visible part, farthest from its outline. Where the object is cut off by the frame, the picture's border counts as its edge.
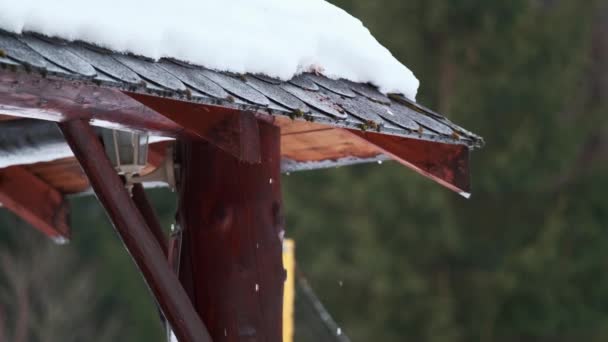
(278, 38)
(54, 79)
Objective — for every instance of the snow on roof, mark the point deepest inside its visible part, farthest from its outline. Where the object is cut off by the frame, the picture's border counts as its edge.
(278, 38)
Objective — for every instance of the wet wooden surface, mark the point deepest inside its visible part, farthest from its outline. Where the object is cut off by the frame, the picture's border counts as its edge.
(35, 201)
(134, 232)
(231, 214)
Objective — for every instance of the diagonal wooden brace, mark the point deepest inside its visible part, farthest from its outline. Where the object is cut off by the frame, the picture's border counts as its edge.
(134, 232)
(36, 202)
(446, 164)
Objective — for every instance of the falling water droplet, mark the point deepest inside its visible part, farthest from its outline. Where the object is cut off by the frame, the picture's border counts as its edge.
(340, 283)
(60, 240)
(288, 173)
(225, 332)
(257, 245)
(257, 287)
(379, 162)
(270, 181)
(339, 331)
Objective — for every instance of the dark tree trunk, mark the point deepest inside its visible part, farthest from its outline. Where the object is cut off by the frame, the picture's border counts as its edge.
(231, 213)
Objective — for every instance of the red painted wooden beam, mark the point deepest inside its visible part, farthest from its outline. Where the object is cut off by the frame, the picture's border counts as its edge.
(35, 202)
(444, 163)
(29, 95)
(234, 131)
(134, 232)
(231, 214)
(157, 153)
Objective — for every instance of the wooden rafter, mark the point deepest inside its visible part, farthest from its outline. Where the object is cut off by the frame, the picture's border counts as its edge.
(444, 163)
(233, 131)
(21, 96)
(35, 202)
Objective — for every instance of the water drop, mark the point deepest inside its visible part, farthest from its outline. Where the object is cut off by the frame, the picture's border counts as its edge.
(339, 331)
(60, 240)
(340, 283)
(225, 332)
(270, 181)
(257, 287)
(379, 162)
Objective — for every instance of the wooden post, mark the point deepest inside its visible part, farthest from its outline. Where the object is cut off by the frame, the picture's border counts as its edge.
(231, 215)
(134, 232)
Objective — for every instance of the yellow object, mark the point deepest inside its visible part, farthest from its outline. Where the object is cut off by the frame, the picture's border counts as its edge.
(289, 262)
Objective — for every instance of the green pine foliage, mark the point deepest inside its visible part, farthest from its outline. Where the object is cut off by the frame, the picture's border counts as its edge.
(399, 258)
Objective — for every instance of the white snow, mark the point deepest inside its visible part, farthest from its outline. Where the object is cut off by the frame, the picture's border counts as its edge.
(279, 38)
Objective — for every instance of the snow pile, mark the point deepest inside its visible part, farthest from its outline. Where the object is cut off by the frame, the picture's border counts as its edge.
(279, 38)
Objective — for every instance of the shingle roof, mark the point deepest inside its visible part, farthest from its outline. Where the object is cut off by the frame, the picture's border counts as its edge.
(339, 103)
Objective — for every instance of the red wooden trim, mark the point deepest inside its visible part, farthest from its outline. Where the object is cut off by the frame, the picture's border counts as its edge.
(147, 211)
(7, 117)
(35, 202)
(231, 215)
(157, 153)
(444, 163)
(134, 232)
(29, 95)
(235, 132)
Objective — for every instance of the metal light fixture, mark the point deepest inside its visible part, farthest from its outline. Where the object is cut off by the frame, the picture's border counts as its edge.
(128, 151)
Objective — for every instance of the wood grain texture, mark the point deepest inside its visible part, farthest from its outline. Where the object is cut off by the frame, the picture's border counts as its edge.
(232, 216)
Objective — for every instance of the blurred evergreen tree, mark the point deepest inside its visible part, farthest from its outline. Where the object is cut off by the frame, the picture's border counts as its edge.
(398, 258)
